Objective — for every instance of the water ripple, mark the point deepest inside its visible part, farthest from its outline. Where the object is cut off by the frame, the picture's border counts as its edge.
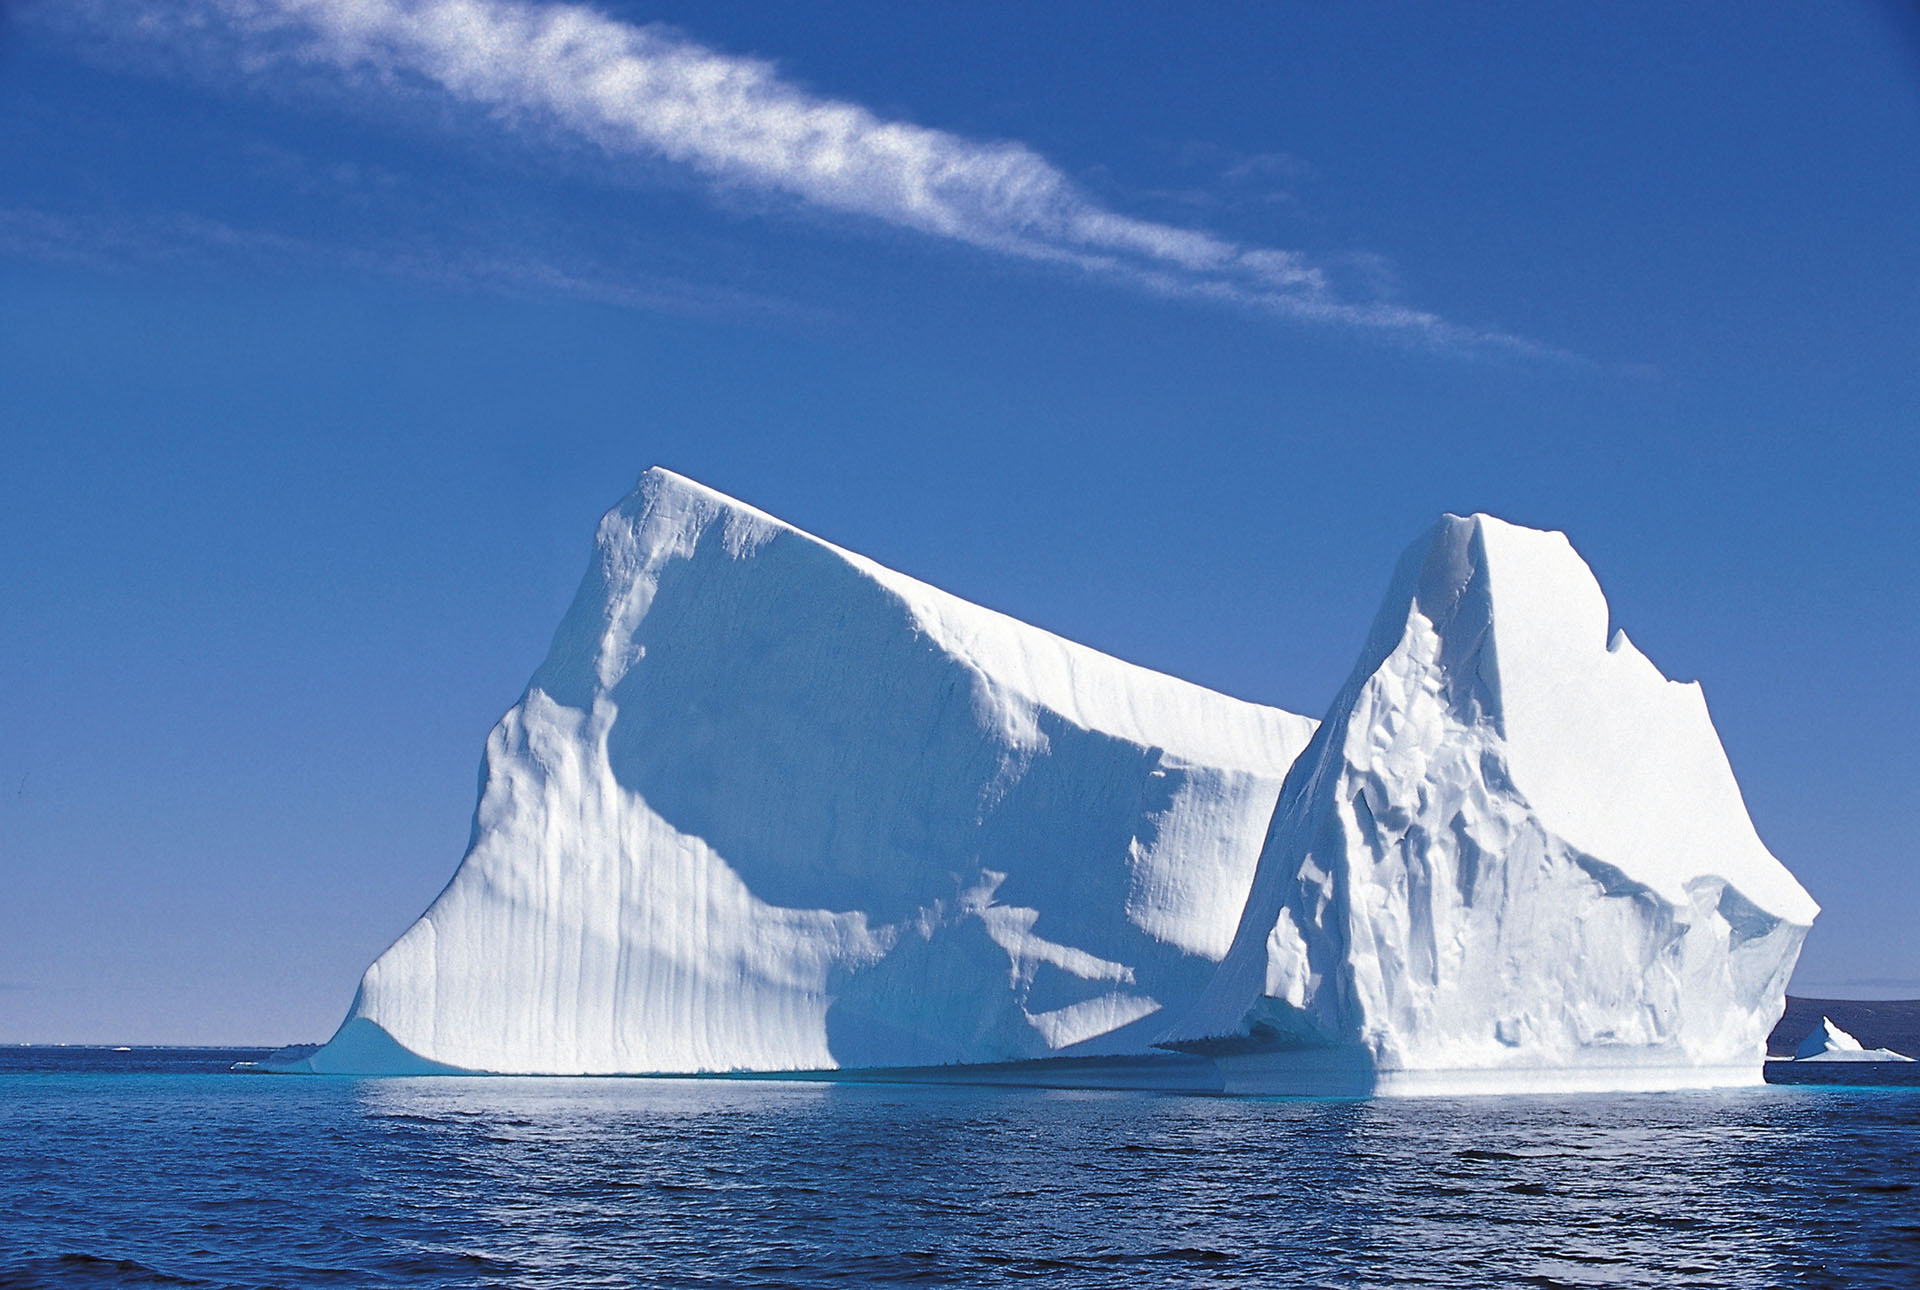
(205, 1180)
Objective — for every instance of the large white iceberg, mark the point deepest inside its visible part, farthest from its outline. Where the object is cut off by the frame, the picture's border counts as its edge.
(1513, 857)
(769, 806)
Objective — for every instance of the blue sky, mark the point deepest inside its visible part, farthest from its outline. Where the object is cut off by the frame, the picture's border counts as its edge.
(329, 328)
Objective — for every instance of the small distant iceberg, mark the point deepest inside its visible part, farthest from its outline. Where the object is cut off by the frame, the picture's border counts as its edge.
(1829, 1043)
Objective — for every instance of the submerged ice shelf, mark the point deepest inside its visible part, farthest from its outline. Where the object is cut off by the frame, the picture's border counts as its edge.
(768, 806)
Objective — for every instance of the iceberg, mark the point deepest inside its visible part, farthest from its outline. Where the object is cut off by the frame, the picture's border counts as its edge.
(768, 806)
(1513, 857)
(1829, 1043)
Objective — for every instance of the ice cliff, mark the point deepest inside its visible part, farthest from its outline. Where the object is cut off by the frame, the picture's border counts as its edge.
(769, 806)
(1513, 856)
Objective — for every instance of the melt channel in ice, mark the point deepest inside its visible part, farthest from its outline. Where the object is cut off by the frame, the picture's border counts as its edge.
(1513, 857)
(769, 806)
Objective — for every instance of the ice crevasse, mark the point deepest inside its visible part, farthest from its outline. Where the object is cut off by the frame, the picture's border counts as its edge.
(768, 806)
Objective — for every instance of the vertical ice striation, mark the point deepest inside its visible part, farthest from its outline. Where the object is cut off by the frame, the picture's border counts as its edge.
(770, 806)
(1514, 855)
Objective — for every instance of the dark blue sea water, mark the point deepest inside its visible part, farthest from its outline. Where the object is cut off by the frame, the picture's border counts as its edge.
(157, 1169)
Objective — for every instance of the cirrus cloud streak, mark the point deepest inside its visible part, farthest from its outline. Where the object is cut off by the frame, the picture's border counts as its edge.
(649, 93)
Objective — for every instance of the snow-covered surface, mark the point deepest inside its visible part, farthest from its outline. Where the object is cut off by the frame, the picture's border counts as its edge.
(1513, 856)
(1828, 1043)
(770, 806)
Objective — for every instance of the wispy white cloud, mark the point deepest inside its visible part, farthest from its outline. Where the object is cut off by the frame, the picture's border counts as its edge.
(647, 92)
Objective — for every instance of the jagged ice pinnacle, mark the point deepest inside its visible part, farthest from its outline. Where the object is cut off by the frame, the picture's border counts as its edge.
(1513, 856)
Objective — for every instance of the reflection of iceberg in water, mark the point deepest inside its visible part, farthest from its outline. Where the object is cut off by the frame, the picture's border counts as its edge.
(721, 1182)
(770, 807)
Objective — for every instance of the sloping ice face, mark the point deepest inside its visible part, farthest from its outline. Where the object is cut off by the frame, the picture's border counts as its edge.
(1513, 856)
(769, 806)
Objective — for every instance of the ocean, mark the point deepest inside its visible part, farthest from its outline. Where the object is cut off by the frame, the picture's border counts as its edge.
(158, 1168)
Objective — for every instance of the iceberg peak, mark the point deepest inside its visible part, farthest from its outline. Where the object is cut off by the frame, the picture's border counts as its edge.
(1513, 847)
(1827, 1038)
